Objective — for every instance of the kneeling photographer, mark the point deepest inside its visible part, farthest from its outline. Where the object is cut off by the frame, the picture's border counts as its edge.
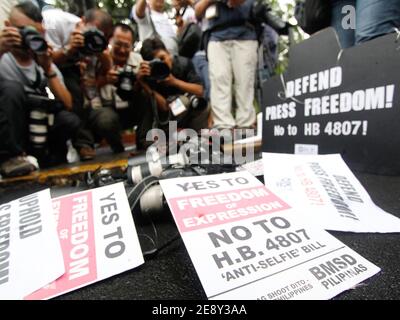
(119, 89)
(174, 88)
(80, 50)
(31, 122)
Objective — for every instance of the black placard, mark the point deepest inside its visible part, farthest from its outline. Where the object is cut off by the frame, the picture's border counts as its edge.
(344, 101)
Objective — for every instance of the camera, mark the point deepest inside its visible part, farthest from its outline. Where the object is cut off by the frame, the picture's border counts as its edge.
(194, 102)
(159, 70)
(33, 40)
(95, 41)
(155, 167)
(41, 117)
(126, 82)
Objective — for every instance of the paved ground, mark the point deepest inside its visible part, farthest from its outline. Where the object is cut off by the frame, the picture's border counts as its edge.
(171, 275)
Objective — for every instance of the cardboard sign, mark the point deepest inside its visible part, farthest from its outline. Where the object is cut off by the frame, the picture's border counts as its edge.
(98, 238)
(327, 192)
(247, 243)
(343, 102)
(30, 252)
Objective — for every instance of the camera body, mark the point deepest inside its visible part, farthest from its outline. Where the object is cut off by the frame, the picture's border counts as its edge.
(159, 70)
(33, 40)
(126, 82)
(196, 103)
(95, 42)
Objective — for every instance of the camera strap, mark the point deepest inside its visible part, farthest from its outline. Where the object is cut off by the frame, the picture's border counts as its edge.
(157, 122)
(156, 34)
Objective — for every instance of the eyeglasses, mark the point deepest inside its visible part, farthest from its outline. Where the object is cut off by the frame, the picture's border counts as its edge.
(122, 45)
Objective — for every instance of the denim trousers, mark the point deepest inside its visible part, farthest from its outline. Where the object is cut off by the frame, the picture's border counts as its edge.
(374, 18)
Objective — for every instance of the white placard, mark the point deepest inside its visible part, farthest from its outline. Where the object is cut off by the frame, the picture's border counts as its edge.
(30, 252)
(306, 149)
(98, 238)
(327, 192)
(247, 243)
(256, 168)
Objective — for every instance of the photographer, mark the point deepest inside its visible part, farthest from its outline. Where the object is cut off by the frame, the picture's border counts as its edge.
(232, 56)
(26, 69)
(80, 50)
(118, 89)
(178, 95)
(153, 22)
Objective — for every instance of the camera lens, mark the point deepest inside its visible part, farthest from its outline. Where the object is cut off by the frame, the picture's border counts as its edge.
(95, 42)
(159, 70)
(126, 82)
(33, 40)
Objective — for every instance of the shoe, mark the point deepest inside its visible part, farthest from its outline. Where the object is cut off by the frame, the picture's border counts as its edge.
(87, 153)
(16, 167)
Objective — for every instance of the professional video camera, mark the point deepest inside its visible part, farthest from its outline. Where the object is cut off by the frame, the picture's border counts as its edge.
(126, 82)
(95, 41)
(33, 40)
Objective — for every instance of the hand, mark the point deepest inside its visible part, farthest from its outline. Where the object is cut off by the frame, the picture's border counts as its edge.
(112, 76)
(9, 38)
(76, 40)
(179, 21)
(45, 60)
(144, 71)
(170, 81)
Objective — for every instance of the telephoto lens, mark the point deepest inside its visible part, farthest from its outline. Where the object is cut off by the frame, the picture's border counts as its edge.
(197, 103)
(151, 155)
(155, 168)
(153, 200)
(33, 40)
(39, 117)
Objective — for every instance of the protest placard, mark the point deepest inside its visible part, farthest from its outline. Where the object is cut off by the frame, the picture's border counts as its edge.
(337, 101)
(98, 238)
(30, 251)
(324, 189)
(247, 243)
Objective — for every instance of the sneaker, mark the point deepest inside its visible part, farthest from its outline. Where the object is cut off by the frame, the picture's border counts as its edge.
(87, 153)
(16, 167)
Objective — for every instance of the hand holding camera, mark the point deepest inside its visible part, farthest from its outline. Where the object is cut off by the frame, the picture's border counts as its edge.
(87, 41)
(10, 37)
(76, 41)
(45, 60)
(112, 76)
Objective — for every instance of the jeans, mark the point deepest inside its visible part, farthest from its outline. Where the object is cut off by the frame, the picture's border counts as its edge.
(201, 66)
(374, 18)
